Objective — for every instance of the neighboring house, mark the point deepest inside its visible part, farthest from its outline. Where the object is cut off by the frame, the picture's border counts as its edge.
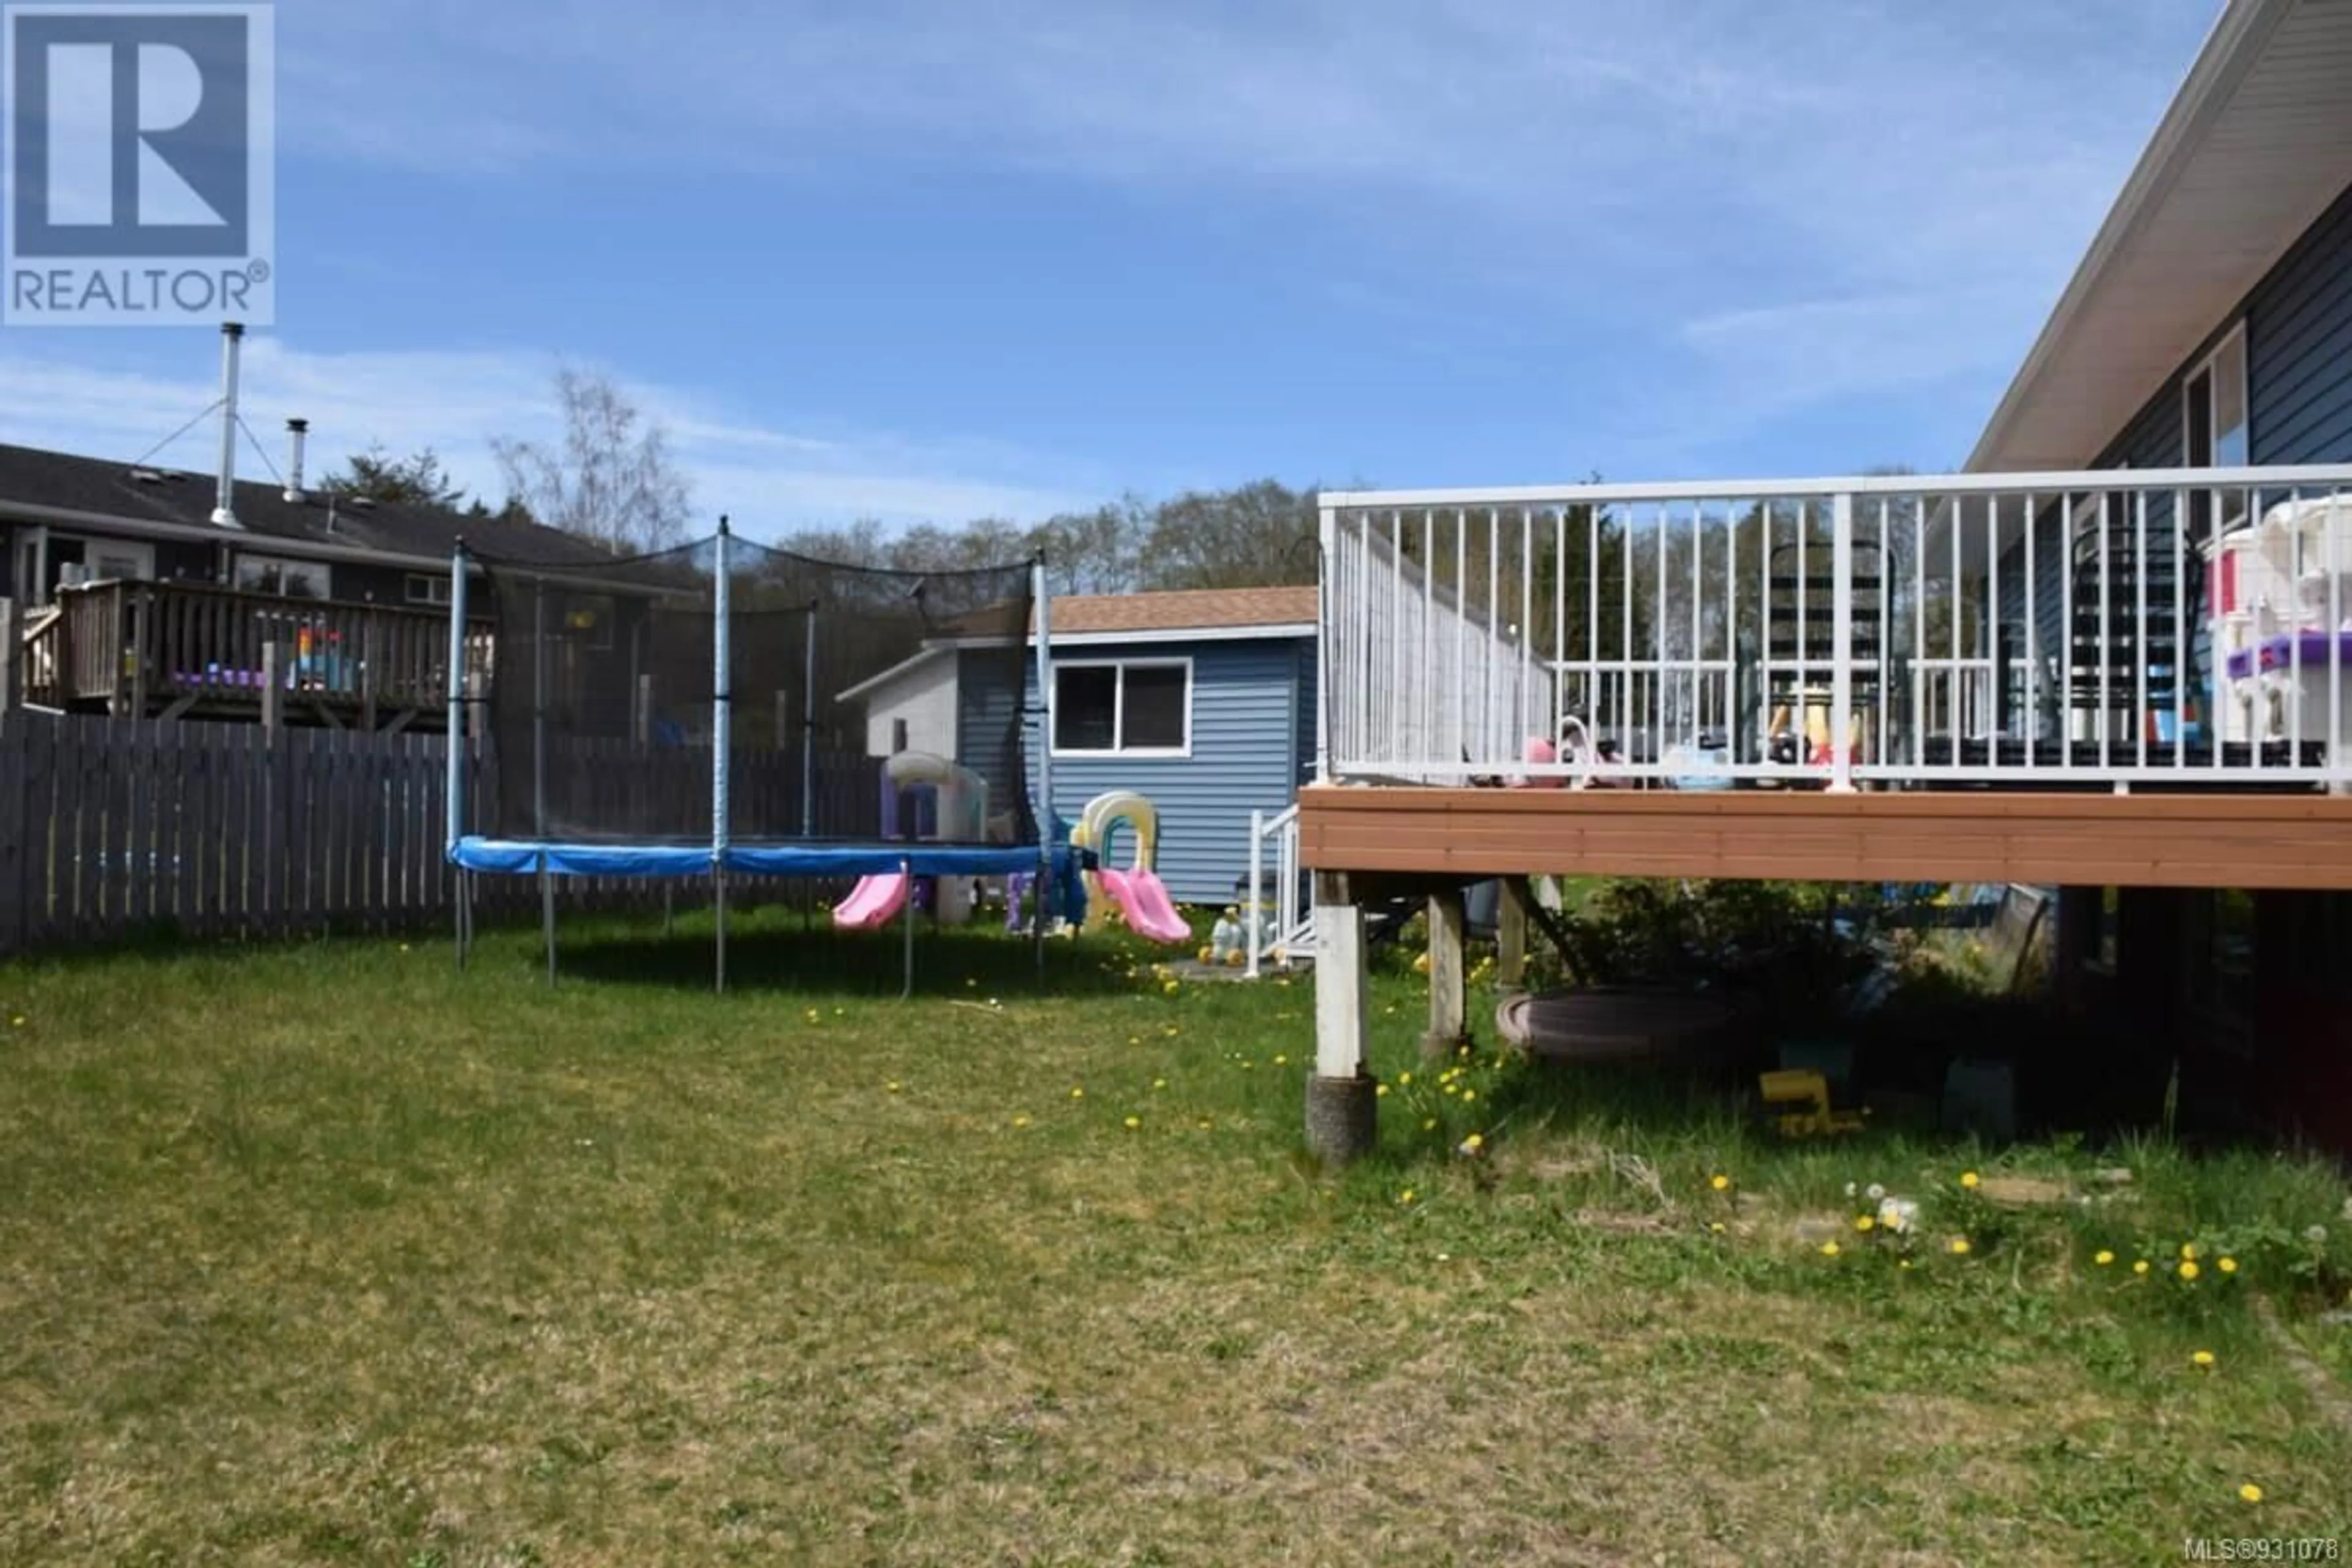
(133, 601)
(66, 519)
(1201, 701)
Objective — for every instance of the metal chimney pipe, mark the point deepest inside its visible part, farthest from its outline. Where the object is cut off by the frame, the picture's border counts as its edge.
(225, 503)
(296, 429)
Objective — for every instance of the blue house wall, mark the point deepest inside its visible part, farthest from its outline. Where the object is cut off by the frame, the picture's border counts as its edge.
(2298, 323)
(1252, 744)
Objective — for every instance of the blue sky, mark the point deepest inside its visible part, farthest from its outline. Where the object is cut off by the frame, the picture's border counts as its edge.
(936, 258)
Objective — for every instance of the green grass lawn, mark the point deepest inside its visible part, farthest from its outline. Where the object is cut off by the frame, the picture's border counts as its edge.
(335, 1255)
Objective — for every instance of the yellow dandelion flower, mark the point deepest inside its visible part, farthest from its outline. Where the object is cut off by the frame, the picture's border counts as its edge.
(1969, 1180)
(1078, 1093)
(1714, 1228)
(2188, 1251)
(1170, 986)
(1959, 1246)
(1019, 1121)
(1404, 1079)
(1864, 1222)
(1468, 1095)
(2251, 1492)
(17, 1021)
(1282, 1061)
(1381, 1092)
(1405, 1196)
(1204, 1125)
(2189, 1270)
(1170, 1031)
(1463, 1051)
(1133, 1123)
(1451, 1091)
(2202, 1358)
(1719, 1182)
(1135, 1040)
(1160, 1083)
(892, 1087)
(2226, 1265)
(1430, 1125)
(2140, 1266)
(1473, 1143)
(2103, 1258)
(1904, 1264)
(1830, 1249)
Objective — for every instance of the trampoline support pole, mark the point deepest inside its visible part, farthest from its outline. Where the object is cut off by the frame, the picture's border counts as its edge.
(808, 732)
(547, 914)
(907, 981)
(722, 728)
(454, 780)
(1041, 809)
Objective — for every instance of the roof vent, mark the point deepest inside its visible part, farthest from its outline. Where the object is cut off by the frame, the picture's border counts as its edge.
(148, 477)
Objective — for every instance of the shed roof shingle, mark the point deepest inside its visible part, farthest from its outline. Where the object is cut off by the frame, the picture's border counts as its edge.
(1187, 609)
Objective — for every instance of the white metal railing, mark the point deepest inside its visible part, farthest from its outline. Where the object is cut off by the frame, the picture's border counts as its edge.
(1287, 930)
(2098, 627)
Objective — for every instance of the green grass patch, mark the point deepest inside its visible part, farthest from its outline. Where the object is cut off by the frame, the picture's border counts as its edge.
(332, 1254)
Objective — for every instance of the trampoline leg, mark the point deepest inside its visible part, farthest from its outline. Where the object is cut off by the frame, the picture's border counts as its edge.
(906, 982)
(458, 917)
(719, 904)
(669, 912)
(547, 918)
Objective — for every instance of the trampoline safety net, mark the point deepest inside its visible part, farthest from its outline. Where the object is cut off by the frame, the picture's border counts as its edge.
(603, 708)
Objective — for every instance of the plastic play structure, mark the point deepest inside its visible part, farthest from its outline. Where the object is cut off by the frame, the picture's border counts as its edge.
(950, 801)
(2280, 595)
(1135, 893)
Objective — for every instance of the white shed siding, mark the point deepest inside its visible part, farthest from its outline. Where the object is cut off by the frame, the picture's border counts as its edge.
(925, 696)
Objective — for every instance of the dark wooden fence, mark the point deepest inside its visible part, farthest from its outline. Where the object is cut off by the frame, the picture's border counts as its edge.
(116, 827)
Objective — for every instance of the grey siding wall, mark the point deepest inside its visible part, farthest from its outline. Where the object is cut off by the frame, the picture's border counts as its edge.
(2299, 374)
(1248, 753)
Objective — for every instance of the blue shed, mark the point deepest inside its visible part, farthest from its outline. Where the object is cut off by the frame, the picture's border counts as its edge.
(1201, 700)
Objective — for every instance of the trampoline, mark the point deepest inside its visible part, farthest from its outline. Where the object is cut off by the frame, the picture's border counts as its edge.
(723, 710)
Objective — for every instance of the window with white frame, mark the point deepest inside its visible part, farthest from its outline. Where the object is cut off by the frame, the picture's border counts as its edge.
(1123, 707)
(423, 588)
(2214, 429)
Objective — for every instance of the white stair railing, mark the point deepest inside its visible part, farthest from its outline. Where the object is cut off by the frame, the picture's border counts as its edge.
(1291, 930)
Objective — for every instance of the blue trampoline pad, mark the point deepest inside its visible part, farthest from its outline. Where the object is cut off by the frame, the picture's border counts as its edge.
(524, 858)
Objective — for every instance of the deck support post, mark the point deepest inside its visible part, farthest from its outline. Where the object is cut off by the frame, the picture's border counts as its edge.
(1511, 932)
(1448, 1029)
(1342, 1103)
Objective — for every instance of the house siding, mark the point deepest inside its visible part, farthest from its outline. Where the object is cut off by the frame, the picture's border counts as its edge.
(1249, 752)
(2298, 323)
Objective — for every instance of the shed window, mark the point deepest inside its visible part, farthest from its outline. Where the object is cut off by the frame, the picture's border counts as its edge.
(1138, 707)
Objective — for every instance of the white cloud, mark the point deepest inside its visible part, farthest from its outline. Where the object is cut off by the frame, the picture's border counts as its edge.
(769, 480)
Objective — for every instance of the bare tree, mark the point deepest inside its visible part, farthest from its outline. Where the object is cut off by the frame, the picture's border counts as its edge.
(611, 478)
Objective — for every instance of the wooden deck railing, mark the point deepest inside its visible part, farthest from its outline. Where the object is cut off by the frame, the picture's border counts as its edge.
(2111, 628)
(136, 648)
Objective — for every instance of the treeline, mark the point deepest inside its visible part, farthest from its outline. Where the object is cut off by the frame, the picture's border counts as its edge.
(1260, 534)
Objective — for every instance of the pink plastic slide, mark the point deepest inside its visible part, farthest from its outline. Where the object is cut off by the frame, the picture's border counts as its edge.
(1142, 898)
(872, 902)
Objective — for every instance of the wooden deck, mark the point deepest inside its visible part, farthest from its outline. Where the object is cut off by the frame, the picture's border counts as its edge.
(2143, 839)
